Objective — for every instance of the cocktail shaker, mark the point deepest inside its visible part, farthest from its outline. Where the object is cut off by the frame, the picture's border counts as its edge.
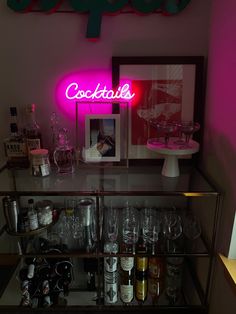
(86, 212)
(11, 212)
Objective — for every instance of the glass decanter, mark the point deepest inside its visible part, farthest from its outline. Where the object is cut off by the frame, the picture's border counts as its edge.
(64, 154)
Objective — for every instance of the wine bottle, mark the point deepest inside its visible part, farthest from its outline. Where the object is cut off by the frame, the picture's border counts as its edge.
(156, 274)
(111, 274)
(126, 279)
(141, 275)
(141, 286)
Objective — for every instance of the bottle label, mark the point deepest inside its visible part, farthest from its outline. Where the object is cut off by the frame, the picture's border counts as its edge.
(110, 264)
(142, 263)
(127, 263)
(33, 143)
(141, 289)
(15, 149)
(111, 292)
(126, 293)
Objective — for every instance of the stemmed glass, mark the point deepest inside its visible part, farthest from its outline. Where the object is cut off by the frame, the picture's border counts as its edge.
(167, 128)
(172, 229)
(191, 229)
(188, 128)
(111, 229)
(130, 226)
(151, 227)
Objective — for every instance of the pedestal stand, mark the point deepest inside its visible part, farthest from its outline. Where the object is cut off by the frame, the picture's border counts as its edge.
(171, 152)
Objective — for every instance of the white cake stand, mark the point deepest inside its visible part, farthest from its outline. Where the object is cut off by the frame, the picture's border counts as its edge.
(171, 152)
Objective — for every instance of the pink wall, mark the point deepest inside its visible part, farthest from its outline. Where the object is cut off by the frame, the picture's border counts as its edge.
(220, 140)
(219, 153)
(38, 50)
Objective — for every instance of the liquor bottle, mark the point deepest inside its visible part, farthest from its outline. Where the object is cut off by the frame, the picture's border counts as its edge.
(32, 130)
(127, 279)
(15, 145)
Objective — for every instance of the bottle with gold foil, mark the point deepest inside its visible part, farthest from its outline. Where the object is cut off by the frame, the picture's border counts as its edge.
(141, 278)
(141, 285)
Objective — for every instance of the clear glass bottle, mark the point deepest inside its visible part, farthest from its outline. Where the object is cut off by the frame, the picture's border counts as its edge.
(64, 154)
(32, 130)
(32, 214)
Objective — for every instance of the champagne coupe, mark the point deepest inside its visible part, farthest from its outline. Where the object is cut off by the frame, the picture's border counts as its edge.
(180, 139)
(188, 128)
(167, 128)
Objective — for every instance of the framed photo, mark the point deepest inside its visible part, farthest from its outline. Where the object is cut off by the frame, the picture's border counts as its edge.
(102, 137)
(166, 88)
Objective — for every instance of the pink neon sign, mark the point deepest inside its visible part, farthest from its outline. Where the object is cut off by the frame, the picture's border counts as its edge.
(123, 92)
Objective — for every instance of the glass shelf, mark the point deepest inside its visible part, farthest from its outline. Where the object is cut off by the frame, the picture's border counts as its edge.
(107, 181)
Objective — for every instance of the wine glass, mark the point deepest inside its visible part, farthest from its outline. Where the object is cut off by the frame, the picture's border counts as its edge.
(130, 226)
(188, 128)
(192, 230)
(172, 229)
(150, 226)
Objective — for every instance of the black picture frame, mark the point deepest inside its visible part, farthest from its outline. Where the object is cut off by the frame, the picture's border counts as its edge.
(197, 105)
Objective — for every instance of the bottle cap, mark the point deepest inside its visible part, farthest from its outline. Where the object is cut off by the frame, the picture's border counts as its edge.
(13, 111)
(39, 152)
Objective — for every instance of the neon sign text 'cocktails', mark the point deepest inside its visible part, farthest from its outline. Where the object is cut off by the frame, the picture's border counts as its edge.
(123, 92)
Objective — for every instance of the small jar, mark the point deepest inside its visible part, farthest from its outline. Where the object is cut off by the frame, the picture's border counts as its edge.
(39, 162)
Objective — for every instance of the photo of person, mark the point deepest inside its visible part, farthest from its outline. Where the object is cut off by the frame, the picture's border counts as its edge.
(103, 138)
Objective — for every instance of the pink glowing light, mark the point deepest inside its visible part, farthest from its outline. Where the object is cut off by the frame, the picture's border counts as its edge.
(73, 92)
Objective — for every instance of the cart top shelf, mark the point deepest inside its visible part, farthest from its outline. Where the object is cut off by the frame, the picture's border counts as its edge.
(99, 181)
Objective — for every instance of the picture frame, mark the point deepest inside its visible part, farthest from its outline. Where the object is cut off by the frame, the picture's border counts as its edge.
(169, 87)
(102, 138)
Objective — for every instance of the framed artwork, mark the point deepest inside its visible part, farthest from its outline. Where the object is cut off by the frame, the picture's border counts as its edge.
(166, 88)
(102, 137)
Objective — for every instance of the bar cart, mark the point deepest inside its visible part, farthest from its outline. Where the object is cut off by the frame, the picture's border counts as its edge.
(189, 194)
